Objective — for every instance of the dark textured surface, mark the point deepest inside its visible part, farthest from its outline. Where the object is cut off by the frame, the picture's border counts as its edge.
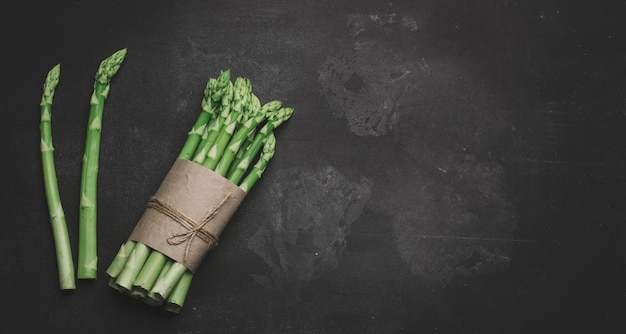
(452, 166)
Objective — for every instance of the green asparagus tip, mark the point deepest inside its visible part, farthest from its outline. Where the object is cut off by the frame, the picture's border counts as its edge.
(255, 104)
(271, 106)
(109, 66)
(221, 86)
(281, 116)
(54, 73)
(223, 79)
(210, 87)
(241, 85)
(52, 79)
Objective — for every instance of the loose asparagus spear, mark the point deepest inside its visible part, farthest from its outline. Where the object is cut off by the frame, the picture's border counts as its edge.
(65, 263)
(87, 242)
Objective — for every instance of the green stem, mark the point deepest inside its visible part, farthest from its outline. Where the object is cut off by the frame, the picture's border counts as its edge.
(135, 262)
(164, 285)
(87, 240)
(214, 130)
(241, 98)
(176, 300)
(213, 93)
(276, 119)
(239, 138)
(118, 263)
(255, 173)
(150, 271)
(151, 298)
(65, 263)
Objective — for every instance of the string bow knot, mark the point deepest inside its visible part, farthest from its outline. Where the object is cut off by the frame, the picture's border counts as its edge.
(193, 229)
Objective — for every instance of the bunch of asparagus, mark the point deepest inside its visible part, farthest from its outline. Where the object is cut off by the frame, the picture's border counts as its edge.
(234, 137)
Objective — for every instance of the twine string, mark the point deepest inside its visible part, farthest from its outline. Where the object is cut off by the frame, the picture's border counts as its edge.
(193, 229)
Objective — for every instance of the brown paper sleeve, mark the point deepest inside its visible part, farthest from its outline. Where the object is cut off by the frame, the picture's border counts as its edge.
(193, 191)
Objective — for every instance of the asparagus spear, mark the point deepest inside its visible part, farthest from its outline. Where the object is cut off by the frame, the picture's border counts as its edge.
(132, 267)
(65, 263)
(238, 140)
(241, 98)
(87, 243)
(151, 298)
(255, 173)
(213, 93)
(213, 131)
(120, 259)
(276, 119)
(176, 300)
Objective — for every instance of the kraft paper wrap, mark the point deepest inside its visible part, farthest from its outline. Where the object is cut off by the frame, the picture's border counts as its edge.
(187, 214)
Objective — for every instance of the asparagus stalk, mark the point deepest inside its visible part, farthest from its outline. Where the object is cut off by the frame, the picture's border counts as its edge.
(213, 131)
(255, 173)
(150, 271)
(65, 263)
(119, 262)
(238, 140)
(151, 298)
(176, 300)
(213, 93)
(120, 259)
(132, 266)
(87, 241)
(276, 119)
(164, 285)
(241, 98)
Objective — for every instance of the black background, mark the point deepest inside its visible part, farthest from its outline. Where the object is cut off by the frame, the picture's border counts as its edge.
(452, 166)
